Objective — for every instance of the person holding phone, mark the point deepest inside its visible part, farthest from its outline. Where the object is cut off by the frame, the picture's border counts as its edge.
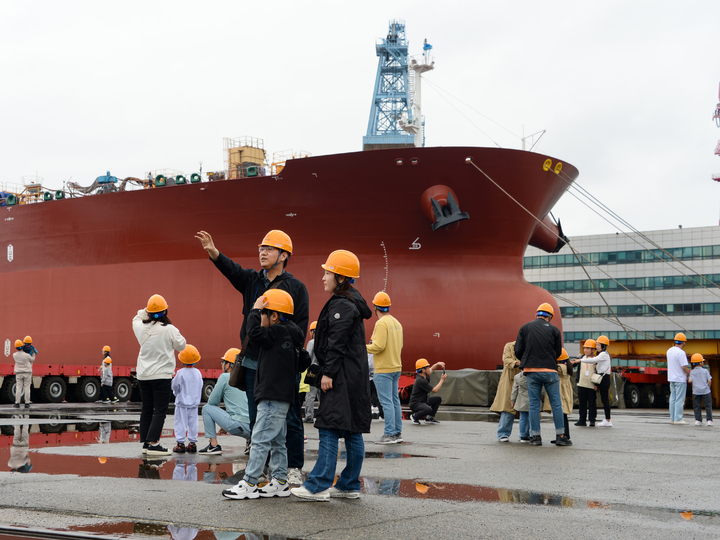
(422, 405)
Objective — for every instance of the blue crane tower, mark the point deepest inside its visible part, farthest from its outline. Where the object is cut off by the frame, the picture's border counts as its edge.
(395, 116)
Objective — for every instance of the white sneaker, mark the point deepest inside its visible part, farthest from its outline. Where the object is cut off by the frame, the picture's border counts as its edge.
(339, 494)
(504, 439)
(294, 476)
(275, 489)
(709, 423)
(680, 423)
(242, 491)
(605, 423)
(302, 493)
(698, 423)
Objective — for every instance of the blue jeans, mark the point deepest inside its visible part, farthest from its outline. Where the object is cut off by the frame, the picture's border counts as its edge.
(212, 415)
(389, 397)
(525, 424)
(506, 424)
(536, 380)
(268, 437)
(323, 474)
(677, 400)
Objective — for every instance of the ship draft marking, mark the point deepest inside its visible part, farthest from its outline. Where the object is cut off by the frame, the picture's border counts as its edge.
(10, 253)
(7, 347)
(387, 266)
(415, 244)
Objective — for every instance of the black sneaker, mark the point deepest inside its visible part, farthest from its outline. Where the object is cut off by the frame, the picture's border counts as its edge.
(17, 405)
(210, 449)
(191, 448)
(592, 424)
(27, 405)
(158, 450)
(581, 424)
(535, 440)
(524, 439)
(414, 420)
(431, 420)
(308, 420)
(179, 448)
(146, 445)
(562, 440)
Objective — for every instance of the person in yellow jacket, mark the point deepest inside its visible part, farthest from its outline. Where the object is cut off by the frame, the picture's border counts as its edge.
(502, 404)
(385, 346)
(565, 371)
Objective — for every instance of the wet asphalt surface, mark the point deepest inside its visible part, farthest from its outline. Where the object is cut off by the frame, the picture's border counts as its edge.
(642, 478)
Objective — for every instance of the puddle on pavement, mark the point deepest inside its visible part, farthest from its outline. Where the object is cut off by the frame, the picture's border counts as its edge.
(469, 493)
(19, 440)
(128, 529)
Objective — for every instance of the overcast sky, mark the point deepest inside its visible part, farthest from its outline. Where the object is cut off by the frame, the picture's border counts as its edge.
(625, 89)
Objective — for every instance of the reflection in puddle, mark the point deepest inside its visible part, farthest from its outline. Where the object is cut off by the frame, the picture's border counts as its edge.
(468, 493)
(129, 529)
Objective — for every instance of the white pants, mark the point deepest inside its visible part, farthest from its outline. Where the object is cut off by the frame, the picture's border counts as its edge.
(186, 421)
(22, 386)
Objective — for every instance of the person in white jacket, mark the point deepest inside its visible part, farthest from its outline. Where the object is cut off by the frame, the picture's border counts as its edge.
(187, 387)
(155, 368)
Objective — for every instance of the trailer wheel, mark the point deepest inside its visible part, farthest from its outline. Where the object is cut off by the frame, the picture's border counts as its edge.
(208, 387)
(122, 388)
(648, 397)
(632, 396)
(53, 389)
(87, 389)
(52, 427)
(7, 391)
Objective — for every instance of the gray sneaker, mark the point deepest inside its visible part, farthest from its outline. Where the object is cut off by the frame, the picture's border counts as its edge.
(398, 438)
(387, 439)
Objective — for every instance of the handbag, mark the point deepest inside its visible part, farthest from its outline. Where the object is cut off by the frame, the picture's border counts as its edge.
(313, 377)
(596, 378)
(237, 373)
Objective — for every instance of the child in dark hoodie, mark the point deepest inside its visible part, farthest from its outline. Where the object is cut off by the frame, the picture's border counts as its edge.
(279, 338)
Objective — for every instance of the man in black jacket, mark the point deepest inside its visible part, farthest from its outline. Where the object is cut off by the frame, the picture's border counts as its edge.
(274, 253)
(538, 345)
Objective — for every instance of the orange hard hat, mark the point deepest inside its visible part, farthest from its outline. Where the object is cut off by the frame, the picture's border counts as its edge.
(279, 300)
(680, 337)
(27, 339)
(106, 348)
(696, 358)
(381, 300)
(563, 356)
(102, 460)
(277, 239)
(313, 325)
(189, 355)
(546, 308)
(603, 339)
(421, 488)
(231, 355)
(343, 263)
(590, 343)
(107, 360)
(421, 364)
(18, 344)
(156, 304)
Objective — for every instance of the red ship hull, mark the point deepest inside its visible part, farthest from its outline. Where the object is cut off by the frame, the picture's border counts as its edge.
(81, 268)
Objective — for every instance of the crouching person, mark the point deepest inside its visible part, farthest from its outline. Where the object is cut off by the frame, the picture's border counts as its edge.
(278, 337)
(421, 405)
